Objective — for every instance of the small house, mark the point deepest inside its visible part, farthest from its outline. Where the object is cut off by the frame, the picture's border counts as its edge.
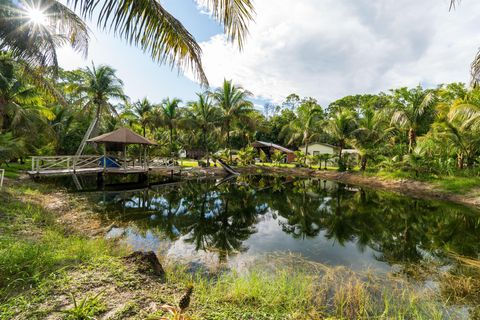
(318, 148)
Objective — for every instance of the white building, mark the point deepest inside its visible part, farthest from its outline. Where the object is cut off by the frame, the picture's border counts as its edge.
(319, 148)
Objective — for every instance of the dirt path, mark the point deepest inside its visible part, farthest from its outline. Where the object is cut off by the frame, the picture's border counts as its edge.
(412, 188)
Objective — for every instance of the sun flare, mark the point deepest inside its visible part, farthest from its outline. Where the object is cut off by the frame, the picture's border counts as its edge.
(37, 16)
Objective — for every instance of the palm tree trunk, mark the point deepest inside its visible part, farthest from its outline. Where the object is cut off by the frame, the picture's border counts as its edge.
(92, 126)
(206, 148)
(460, 161)
(3, 115)
(171, 139)
(363, 165)
(412, 140)
(306, 152)
(144, 130)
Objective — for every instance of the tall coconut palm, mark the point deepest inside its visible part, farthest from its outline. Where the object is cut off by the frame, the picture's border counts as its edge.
(233, 100)
(169, 117)
(414, 109)
(142, 111)
(146, 24)
(204, 117)
(99, 86)
(340, 127)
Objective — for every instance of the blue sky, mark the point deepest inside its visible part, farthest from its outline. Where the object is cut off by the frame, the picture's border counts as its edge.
(324, 49)
(142, 76)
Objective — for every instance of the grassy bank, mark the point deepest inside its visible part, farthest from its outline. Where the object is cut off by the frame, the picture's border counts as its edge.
(460, 182)
(46, 266)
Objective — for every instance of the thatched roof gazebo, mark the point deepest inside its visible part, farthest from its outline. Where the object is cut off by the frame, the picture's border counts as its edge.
(119, 140)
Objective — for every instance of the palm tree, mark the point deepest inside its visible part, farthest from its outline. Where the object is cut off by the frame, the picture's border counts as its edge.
(98, 87)
(306, 125)
(204, 117)
(340, 127)
(458, 125)
(144, 23)
(371, 132)
(33, 30)
(414, 110)
(475, 68)
(142, 111)
(233, 101)
(20, 104)
(169, 116)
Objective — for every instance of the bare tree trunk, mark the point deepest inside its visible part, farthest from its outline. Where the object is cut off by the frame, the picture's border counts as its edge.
(92, 126)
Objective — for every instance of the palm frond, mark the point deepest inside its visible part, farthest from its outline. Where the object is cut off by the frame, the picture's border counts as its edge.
(235, 16)
(475, 71)
(454, 3)
(147, 24)
(37, 43)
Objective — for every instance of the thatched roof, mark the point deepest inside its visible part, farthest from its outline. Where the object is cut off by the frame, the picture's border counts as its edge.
(122, 136)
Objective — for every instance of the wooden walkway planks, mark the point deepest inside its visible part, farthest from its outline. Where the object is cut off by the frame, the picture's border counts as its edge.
(86, 171)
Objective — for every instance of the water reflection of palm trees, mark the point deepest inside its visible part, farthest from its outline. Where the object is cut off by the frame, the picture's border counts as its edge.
(222, 217)
(227, 218)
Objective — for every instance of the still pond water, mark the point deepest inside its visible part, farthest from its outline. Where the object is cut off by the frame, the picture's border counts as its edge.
(235, 221)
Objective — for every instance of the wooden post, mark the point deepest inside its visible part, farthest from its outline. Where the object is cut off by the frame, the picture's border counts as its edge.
(33, 163)
(104, 157)
(2, 174)
(125, 157)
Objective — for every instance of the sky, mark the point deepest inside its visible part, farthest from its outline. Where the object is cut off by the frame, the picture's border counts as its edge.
(324, 49)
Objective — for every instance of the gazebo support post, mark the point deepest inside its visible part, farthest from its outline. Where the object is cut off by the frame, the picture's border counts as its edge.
(125, 157)
(104, 157)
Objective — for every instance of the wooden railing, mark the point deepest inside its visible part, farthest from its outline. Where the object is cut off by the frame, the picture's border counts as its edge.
(65, 162)
(73, 163)
(2, 174)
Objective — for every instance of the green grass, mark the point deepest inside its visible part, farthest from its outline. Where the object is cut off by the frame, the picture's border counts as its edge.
(34, 249)
(461, 182)
(458, 185)
(280, 165)
(13, 170)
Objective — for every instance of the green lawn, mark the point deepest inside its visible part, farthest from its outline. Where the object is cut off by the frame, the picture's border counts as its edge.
(13, 170)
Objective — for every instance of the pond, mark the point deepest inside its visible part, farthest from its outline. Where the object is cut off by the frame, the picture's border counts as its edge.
(234, 221)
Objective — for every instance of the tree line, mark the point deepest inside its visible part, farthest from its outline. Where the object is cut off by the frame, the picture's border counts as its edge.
(412, 128)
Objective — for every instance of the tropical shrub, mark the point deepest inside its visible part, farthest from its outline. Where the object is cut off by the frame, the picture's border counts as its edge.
(246, 156)
(278, 157)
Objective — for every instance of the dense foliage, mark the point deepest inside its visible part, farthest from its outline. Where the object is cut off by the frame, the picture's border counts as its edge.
(412, 129)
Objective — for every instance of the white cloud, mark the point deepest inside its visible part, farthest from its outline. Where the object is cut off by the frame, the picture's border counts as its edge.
(331, 48)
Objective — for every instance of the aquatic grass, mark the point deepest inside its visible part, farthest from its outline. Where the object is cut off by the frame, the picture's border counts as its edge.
(308, 291)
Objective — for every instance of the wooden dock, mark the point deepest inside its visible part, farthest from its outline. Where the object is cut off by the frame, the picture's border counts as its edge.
(84, 165)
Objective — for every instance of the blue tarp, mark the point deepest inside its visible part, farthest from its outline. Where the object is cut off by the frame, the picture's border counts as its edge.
(109, 163)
